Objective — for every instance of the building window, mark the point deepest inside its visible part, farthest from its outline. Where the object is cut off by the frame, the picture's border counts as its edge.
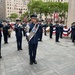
(7, 4)
(7, 7)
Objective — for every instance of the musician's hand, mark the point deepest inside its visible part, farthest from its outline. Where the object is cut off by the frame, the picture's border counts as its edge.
(27, 34)
(20, 25)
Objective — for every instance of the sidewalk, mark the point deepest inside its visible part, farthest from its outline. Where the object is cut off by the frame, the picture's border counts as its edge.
(53, 58)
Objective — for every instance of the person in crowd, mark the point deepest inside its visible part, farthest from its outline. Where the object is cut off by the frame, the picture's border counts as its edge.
(18, 30)
(40, 30)
(50, 24)
(10, 29)
(61, 29)
(5, 31)
(32, 35)
(57, 31)
(73, 32)
(45, 26)
(24, 23)
(0, 38)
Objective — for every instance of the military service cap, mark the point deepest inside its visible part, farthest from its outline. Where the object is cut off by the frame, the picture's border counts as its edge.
(33, 16)
(18, 20)
(4, 21)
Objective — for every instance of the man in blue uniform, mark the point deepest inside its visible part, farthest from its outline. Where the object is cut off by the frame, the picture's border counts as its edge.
(57, 31)
(0, 38)
(61, 29)
(24, 25)
(45, 26)
(73, 32)
(18, 31)
(51, 28)
(5, 31)
(9, 32)
(33, 38)
(40, 30)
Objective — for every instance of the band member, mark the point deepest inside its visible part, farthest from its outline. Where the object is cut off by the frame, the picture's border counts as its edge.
(10, 29)
(40, 30)
(51, 28)
(61, 29)
(57, 31)
(73, 32)
(45, 26)
(24, 25)
(18, 30)
(72, 26)
(5, 31)
(32, 36)
(0, 38)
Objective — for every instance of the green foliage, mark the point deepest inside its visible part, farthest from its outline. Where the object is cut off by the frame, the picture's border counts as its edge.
(47, 7)
(24, 15)
(35, 6)
(14, 16)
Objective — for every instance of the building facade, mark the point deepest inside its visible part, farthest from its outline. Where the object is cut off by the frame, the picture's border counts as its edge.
(8, 7)
(57, 0)
(2, 9)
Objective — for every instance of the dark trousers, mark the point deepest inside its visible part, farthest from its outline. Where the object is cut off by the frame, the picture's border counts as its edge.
(32, 52)
(0, 46)
(9, 35)
(40, 36)
(73, 37)
(5, 37)
(51, 32)
(24, 32)
(57, 37)
(61, 34)
(45, 31)
(19, 42)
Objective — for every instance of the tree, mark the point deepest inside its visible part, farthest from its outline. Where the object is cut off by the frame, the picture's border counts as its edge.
(24, 15)
(35, 6)
(63, 9)
(14, 16)
(49, 7)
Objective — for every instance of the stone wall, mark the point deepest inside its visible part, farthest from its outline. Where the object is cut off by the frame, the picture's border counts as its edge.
(71, 12)
(2, 9)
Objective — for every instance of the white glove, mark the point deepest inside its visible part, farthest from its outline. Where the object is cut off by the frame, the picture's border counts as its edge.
(19, 25)
(27, 34)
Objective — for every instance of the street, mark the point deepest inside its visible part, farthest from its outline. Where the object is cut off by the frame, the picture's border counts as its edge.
(52, 58)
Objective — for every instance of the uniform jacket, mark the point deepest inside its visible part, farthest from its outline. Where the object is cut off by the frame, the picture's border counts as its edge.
(18, 30)
(5, 29)
(40, 28)
(34, 39)
(73, 29)
(57, 28)
(0, 30)
(51, 27)
(61, 28)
